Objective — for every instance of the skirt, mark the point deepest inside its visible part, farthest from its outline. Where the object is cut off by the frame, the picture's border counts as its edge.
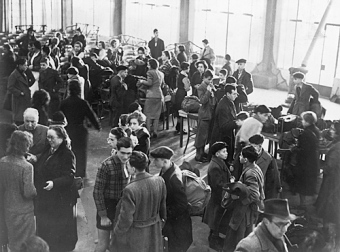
(153, 107)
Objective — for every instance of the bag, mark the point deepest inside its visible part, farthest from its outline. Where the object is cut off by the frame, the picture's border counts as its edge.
(78, 182)
(197, 191)
(191, 104)
(286, 123)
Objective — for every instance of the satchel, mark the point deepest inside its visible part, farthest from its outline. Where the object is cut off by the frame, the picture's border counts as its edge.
(191, 104)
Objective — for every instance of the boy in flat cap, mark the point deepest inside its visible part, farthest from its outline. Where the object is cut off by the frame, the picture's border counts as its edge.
(268, 165)
(178, 226)
(269, 235)
(243, 77)
(245, 210)
(142, 211)
(303, 93)
(117, 94)
(218, 176)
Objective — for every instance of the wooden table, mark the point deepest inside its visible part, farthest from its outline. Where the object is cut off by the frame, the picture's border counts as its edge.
(184, 115)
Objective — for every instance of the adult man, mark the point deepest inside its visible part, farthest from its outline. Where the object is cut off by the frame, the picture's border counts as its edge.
(78, 37)
(156, 46)
(142, 210)
(24, 41)
(268, 165)
(243, 77)
(112, 177)
(117, 94)
(269, 235)
(50, 80)
(242, 94)
(303, 93)
(244, 213)
(227, 65)
(39, 132)
(207, 52)
(197, 77)
(225, 121)
(178, 227)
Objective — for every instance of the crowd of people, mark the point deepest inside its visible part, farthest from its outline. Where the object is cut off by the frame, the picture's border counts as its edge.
(47, 150)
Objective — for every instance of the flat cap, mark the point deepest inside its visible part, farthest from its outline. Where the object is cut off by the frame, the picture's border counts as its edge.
(256, 139)
(299, 75)
(241, 61)
(162, 152)
(217, 147)
(122, 68)
(205, 41)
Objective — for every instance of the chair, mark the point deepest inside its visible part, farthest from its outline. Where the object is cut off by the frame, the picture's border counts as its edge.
(192, 128)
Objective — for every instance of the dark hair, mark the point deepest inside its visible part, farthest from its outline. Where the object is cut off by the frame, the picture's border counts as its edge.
(19, 143)
(194, 56)
(78, 43)
(102, 43)
(229, 89)
(55, 41)
(203, 62)
(139, 160)
(243, 115)
(223, 71)
(208, 73)
(153, 63)
(74, 88)
(123, 119)
(37, 44)
(230, 79)
(44, 60)
(227, 57)
(40, 98)
(113, 41)
(72, 70)
(58, 34)
(262, 109)
(21, 61)
(256, 139)
(34, 244)
(155, 30)
(185, 65)
(337, 127)
(181, 48)
(309, 117)
(6, 130)
(141, 118)
(133, 107)
(250, 153)
(118, 132)
(47, 50)
(124, 142)
(93, 54)
(61, 133)
(167, 54)
(75, 61)
(141, 49)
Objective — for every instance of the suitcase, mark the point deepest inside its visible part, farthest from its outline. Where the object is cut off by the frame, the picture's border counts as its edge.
(286, 123)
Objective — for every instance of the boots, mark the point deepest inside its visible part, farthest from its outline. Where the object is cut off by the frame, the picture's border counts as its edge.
(200, 155)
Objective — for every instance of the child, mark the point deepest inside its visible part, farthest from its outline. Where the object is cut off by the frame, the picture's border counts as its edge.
(114, 135)
(218, 176)
(135, 121)
(134, 107)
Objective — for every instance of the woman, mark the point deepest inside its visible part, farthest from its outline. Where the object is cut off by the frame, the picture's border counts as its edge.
(40, 102)
(141, 62)
(182, 56)
(7, 60)
(73, 75)
(17, 191)
(102, 52)
(84, 72)
(183, 86)
(76, 111)
(173, 59)
(57, 195)
(166, 66)
(19, 83)
(328, 202)
(307, 169)
(154, 96)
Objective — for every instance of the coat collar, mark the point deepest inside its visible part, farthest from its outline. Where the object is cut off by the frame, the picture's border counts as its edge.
(263, 158)
(266, 244)
(20, 77)
(219, 162)
(141, 176)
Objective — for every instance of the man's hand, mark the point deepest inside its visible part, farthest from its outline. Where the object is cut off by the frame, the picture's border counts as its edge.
(125, 86)
(30, 67)
(49, 185)
(105, 221)
(31, 158)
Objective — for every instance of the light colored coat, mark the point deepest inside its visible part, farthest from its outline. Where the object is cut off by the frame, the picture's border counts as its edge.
(155, 79)
(142, 206)
(208, 53)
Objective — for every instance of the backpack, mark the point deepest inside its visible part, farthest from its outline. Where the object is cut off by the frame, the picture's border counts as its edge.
(197, 191)
(190, 104)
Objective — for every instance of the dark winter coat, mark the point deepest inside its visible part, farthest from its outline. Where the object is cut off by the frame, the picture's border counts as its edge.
(246, 79)
(300, 102)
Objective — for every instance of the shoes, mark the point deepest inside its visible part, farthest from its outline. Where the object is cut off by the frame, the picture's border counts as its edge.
(201, 160)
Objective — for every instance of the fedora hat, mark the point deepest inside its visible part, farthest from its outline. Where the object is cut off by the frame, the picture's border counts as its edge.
(278, 208)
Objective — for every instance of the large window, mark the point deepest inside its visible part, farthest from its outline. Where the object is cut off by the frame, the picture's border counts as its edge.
(298, 24)
(235, 27)
(143, 16)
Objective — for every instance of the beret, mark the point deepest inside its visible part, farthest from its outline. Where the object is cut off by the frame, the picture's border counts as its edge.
(205, 41)
(162, 152)
(217, 147)
(121, 68)
(299, 75)
(256, 139)
(241, 61)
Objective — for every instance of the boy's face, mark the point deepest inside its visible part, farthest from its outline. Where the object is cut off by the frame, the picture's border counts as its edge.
(43, 66)
(222, 154)
(264, 117)
(241, 66)
(221, 76)
(134, 125)
(200, 68)
(297, 81)
(112, 141)
(207, 80)
(243, 160)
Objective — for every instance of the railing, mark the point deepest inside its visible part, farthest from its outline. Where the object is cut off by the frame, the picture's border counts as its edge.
(129, 40)
(190, 47)
(87, 29)
(23, 28)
